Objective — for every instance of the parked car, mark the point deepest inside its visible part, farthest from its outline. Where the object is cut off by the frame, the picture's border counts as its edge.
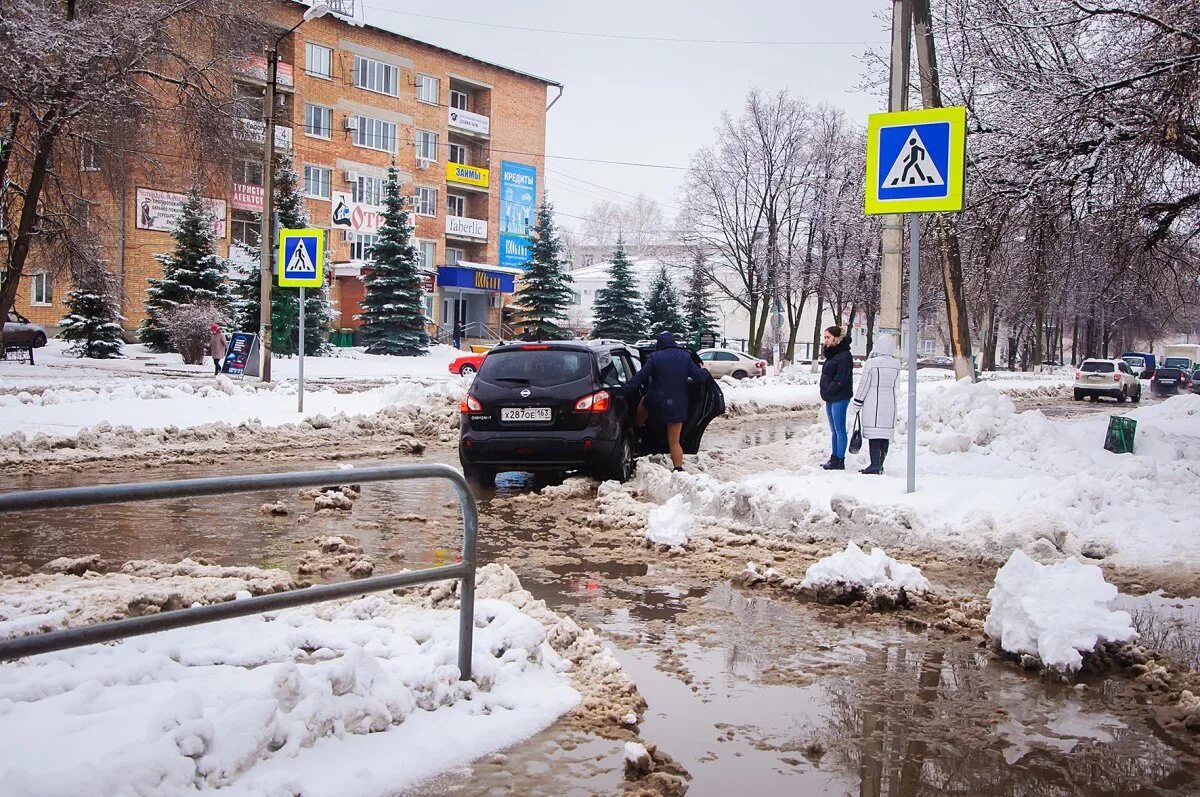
(1141, 363)
(935, 362)
(561, 406)
(21, 333)
(1112, 378)
(727, 362)
(467, 364)
(1170, 381)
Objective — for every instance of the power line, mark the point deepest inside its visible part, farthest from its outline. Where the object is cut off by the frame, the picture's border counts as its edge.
(613, 190)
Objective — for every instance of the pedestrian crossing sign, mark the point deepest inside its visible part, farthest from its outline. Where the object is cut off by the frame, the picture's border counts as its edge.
(915, 161)
(301, 258)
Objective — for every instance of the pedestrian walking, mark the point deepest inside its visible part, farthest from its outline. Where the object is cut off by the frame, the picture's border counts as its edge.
(665, 374)
(837, 388)
(459, 331)
(875, 401)
(217, 344)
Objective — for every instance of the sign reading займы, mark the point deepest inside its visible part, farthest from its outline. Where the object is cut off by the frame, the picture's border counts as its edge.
(468, 175)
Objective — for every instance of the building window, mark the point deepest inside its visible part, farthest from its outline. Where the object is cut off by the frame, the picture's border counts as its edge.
(367, 190)
(456, 205)
(248, 101)
(426, 254)
(426, 201)
(317, 180)
(427, 145)
(928, 346)
(427, 89)
(42, 292)
(246, 228)
(588, 260)
(427, 301)
(459, 154)
(376, 76)
(375, 133)
(248, 172)
(459, 100)
(455, 256)
(362, 246)
(318, 60)
(318, 121)
(89, 156)
(576, 298)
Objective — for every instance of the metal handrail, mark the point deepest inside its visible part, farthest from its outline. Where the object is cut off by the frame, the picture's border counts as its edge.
(71, 497)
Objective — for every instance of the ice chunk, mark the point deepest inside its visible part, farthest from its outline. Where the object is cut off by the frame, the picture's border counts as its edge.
(852, 567)
(671, 524)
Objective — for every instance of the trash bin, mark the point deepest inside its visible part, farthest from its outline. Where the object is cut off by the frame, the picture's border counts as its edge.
(342, 338)
(1119, 438)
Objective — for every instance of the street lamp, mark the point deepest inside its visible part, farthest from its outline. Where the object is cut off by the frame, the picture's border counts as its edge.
(317, 11)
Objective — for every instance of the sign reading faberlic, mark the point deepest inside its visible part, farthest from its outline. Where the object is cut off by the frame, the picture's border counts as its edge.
(301, 258)
(915, 161)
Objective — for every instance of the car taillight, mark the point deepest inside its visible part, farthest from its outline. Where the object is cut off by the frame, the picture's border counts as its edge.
(1078, 375)
(762, 364)
(600, 401)
(1117, 377)
(470, 404)
(539, 347)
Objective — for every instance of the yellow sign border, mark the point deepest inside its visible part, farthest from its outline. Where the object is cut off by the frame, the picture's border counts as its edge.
(956, 174)
(314, 282)
(453, 176)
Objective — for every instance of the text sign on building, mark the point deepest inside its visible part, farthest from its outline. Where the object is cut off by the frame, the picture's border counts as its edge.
(301, 258)
(466, 228)
(255, 131)
(247, 197)
(355, 216)
(256, 67)
(470, 175)
(471, 122)
(160, 211)
(518, 204)
(477, 279)
(915, 161)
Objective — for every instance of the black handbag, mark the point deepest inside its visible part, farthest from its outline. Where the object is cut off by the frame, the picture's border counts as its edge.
(856, 438)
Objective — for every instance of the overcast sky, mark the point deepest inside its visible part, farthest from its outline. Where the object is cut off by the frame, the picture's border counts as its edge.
(653, 101)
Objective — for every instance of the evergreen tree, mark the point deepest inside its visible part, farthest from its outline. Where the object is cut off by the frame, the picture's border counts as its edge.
(192, 274)
(94, 321)
(662, 305)
(545, 289)
(393, 316)
(619, 312)
(698, 316)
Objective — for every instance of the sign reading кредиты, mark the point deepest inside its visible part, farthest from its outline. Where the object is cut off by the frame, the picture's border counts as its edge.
(518, 204)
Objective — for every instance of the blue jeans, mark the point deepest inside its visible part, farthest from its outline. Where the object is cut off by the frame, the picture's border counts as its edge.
(835, 412)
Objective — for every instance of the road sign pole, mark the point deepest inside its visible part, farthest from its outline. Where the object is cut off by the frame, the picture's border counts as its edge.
(914, 271)
(300, 394)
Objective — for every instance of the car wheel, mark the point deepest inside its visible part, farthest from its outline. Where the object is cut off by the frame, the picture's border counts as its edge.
(623, 463)
(739, 375)
(1137, 397)
(479, 477)
(39, 340)
(1079, 395)
(466, 370)
(1121, 396)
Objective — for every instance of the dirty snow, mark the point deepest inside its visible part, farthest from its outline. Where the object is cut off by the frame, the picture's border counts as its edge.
(854, 568)
(671, 524)
(1054, 612)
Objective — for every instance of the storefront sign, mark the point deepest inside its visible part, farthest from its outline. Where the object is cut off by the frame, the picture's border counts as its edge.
(254, 131)
(468, 228)
(256, 67)
(479, 279)
(471, 175)
(242, 354)
(247, 197)
(428, 282)
(518, 201)
(355, 216)
(471, 122)
(160, 211)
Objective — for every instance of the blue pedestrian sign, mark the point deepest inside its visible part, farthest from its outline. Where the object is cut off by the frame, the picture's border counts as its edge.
(301, 258)
(915, 161)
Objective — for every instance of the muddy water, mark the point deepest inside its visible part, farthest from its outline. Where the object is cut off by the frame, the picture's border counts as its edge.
(744, 690)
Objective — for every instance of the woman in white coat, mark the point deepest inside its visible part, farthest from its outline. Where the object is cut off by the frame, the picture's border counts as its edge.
(875, 400)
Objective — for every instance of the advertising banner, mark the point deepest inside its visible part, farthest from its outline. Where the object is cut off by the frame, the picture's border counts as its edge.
(247, 197)
(518, 204)
(242, 355)
(470, 175)
(479, 279)
(160, 211)
(471, 122)
(355, 216)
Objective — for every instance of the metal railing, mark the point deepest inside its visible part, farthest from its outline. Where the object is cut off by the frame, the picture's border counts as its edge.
(71, 497)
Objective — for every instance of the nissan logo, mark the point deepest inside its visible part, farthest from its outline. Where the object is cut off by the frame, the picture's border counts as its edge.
(526, 393)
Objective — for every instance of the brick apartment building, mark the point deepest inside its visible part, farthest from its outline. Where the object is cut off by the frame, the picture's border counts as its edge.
(468, 137)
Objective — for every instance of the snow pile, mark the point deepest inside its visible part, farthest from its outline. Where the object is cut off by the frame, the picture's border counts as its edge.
(853, 575)
(671, 524)
(354, 697)
(1054, 612)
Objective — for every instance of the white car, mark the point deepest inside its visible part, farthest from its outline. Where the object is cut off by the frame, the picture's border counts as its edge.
(727, 362)
(1112, 378)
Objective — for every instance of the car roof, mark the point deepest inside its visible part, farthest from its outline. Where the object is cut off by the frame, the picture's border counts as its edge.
(1102, 360)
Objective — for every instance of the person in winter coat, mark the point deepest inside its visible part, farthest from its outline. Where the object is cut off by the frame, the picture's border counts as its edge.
(666, 372)
(217, 344)
(837, 388)
(875, 400)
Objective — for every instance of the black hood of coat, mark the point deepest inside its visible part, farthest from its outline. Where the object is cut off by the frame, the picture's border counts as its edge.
(665, 341)
(837, 348)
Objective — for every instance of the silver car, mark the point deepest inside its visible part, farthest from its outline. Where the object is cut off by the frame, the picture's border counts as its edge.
(727, 362)
(21, 333)
(1112, 378)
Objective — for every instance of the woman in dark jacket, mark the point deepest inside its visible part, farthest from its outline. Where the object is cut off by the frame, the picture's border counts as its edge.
(666, 373)
(837, 388)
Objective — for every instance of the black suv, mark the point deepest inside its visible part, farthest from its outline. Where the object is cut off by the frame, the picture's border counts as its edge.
(563, 406)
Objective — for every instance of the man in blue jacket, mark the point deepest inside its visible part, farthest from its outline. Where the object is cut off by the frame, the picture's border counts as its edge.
(666, 371)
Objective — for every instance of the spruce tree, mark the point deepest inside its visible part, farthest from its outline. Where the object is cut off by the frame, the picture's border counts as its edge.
(619, 312)
(94, 321)
(698, 316)
(192, 274)
(393, 316)
(662, 305)
(545, 289)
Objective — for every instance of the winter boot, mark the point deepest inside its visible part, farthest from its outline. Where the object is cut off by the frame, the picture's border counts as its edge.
(876, 466)
(835, 463)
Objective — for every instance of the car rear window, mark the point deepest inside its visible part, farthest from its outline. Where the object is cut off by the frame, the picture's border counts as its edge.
(1097, 368)
(1168, 373)
(1176, 362)
(537, 367)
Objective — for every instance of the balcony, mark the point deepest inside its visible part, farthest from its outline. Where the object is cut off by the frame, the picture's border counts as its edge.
(467, 122)
(461, 174)
(470, 229)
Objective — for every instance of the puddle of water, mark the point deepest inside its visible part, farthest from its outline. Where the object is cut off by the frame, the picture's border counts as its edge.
(1169, 625)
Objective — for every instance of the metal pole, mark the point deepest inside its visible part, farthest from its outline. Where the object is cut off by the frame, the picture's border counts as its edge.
(266, 242)
(300, 395)
(914, 261)
(890, 279)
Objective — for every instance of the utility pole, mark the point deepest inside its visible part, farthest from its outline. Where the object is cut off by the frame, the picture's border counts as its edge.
(892, 275)
(947, 228)
(267, 241)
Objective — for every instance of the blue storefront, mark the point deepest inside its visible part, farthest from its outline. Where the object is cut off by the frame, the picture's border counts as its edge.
(473, 295)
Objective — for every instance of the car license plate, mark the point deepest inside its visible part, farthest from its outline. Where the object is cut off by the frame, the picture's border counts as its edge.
(1096, 378)
(525, 414)
(1166, 381)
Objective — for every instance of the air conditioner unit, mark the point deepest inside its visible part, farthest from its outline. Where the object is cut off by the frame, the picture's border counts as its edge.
(351, 123)
(348, 236)
(350, 177)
